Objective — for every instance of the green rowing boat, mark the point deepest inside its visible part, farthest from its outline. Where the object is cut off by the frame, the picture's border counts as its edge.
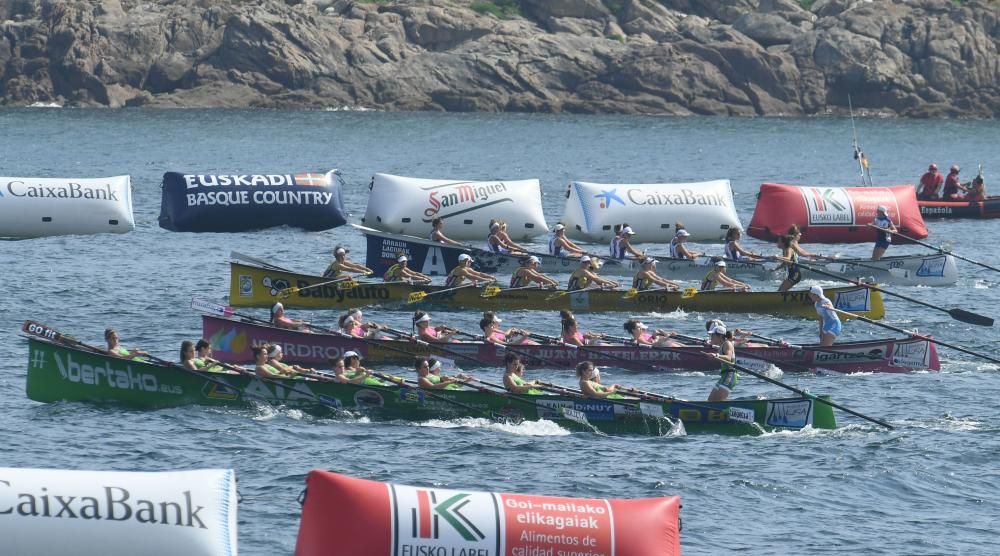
(58, 372)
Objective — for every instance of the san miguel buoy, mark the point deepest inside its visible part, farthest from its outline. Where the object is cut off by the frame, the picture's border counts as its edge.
(37, 207)
(245, 202)
(345, 515)
(833, 214)
(403, 205)
(112, 513)
(652, 210)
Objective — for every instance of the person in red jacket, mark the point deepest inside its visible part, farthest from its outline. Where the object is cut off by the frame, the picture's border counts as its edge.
(952, 186)
(930, 183)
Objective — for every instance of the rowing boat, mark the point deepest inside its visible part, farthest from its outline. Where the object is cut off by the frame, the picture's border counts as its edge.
(258, 286)
(61, 372)
(436, 259)
(232, 338)
(906, 270)
(988, 208)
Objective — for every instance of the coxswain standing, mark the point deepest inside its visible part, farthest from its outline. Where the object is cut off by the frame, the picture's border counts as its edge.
(678, 249)
(561, 246)
(463, 271)
(527, 273)
(647, 277)
(437, 233)
(790, 253)
(717, 277)
(882, 237)
(829, 323)
(399, 272)
(930, 183)
(341, 266)
(722, 340)
(583, 276)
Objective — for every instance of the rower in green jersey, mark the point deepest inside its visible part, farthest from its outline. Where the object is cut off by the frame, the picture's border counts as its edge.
(117, 350)
(429, 381)
(590, 383)
(203, 360)
(262, 367)
(352, 376)
(513, 377)
(274, 355)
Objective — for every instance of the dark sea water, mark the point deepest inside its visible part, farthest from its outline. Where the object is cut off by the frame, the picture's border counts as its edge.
(927, 487)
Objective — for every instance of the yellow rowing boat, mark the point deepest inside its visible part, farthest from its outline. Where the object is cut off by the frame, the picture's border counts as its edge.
(257, 286)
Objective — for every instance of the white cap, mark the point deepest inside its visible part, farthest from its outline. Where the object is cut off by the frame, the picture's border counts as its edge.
(402, 259)
(720, 263)
(816, 290)
(558, 227)
(682, 233)
(464, 257)
(585, 259)
(534, 259)
(353, 312)
(350, 354)
(628, 231)
(436, 365)
(718, 328)
(641, 326)
(495, 225)
(496, 319)
(339, 250)
(277, 307)
(882, 208)
(425, 318)
(649, 260)
(274, 351)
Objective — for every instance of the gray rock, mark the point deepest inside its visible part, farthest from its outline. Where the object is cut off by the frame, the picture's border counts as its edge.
(767, 29)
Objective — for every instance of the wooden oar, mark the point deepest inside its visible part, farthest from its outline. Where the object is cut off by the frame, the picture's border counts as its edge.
(943, 251)
(688, 293)
(419, 296)
(256, 261)
(957, 314)
(633, 292)
(920, 336)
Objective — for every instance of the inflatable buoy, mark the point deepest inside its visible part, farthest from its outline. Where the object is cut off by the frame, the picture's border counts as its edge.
(109, 513)
(834, 214)
(651, 210)
(409, 205)
(36, 207)
(244, 202)
(344, 515)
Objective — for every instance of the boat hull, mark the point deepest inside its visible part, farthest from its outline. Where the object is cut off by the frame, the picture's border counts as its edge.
(990, 208)
(232, 339)
(57, 372)
(253, 286)
(921, 270)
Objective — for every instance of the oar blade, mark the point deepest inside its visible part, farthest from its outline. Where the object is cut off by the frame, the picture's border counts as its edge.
(415, 297)
(631, 293)
(287, 292)
(970, 317)
(556, 295)
(689, 293)
(490, 291)
(347, 285)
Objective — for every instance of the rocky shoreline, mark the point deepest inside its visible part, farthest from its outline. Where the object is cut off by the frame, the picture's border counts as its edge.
(911, 58)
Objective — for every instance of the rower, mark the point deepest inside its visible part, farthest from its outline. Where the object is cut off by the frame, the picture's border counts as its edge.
(717, 277)
(274, 355)
(734, 252)
(348, 370)
(463, 271)
(490, 325)
(427, 333)
(437, 233)
(585, 274)
(647, 277)
(930, 182)
(513, 377)
(399, 272)
(262, 368)
(117, 350)
(429, 381)
(740, 337)
(352, 324)
(882, 238)
(505, 237)
(571, 334)
(658, 338)
(340, 266)
(829, 322)
(279, 320)
(789, 258)
(187, 355)
(203, 358)
(721, 339)
(561, 246)
(621, 245)
(590, 383)
(498, 240)
(678, 249)
(527, 273)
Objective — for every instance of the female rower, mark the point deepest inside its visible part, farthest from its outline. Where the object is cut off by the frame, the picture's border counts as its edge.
(621, 246)
(427, 333)
(429, 381)
(789, 260)
(262, 368)
(659, 338)
(795, 233)
(740, 337)
(722, 340)
(346, 375)
(571, 334)
(590, 383)
(187, 355)
(586, 274)
(437, 233)
(498, 241)
(463, 271)
(528, 273)
(490, 325)
(735, 252)
(647, 277)
(829, 322)
(717, 276)
(274, 355)
(279, 320)
(197, 357)
(352, 324)
(513, 377)
(399, 272)
(678, 249)
(507, 239)
(561, 246)
(116, 349)
(340, 266)
(882, 238)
